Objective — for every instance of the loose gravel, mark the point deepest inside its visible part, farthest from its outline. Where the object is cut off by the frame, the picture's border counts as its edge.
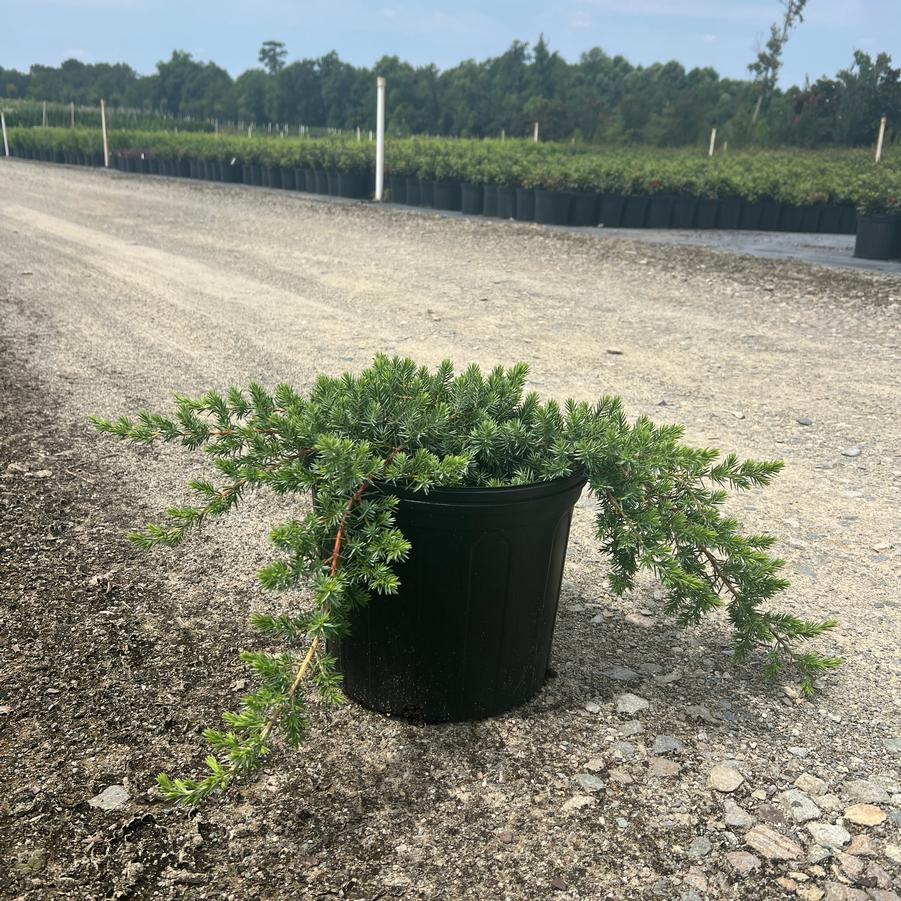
(648, 767)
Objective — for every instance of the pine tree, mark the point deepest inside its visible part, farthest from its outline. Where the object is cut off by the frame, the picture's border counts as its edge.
(658, 508)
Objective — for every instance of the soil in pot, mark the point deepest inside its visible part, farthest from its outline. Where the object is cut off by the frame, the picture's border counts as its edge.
(584, 209)
(472, 199)
(506, 202)
(489, 202)
(552, 207)
(525, 205)
(878, 237)
(469, 633)
(446, 195)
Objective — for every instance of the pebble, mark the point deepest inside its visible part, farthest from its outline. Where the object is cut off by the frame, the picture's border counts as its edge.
(630, 704)
(862, 846)
(621, 674)
(865, 814)
(642, 620)
(16, 467)
(31, 862)
(700, 846)
(111, 798)
(835, 891)
(865, 791)
(893, 852)
(878, 894)
(631, 727)
(851, 452)
(700, 712)
(892, 745)
(724, 779)
(810, 784)
(799, 806)
(620, 776)
(577, 802)
(829, 836)
(771, 844)
(811, 893)
(593, 707)
(804, 420)
(772, 815)
(624, 749)
(852, 867)
(817, 853)
(742, 862)
(666, 744)
(650, 669)
(660, 766)
(736, 816)
(829, 802)
(588, 782)
(797, 751)
(895, 817)
(595, 765)
(505, 837)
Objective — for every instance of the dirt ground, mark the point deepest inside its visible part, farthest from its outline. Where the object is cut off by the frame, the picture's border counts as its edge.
(117, 291)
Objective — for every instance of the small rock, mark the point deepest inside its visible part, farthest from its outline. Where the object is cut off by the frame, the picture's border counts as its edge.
(799, 806)
(862, 846)
(559, 885)
(631, 727)
(31, 862)
(788, 884)
(797, 751)
(624, 749)
(865, 814)
(835, 891)
(668, 678)
(595, 765)
(878, 894)
(738, 414)
(111, 798)
(865, 791)
(771, 844)
(724, 779)
(650, 669)
(817, 853)
(700, 712)
(851, 452)
(737, 817)
(700, 847)
(803, 420)
(640, 619)
(829, 802)
(892, 745)
(577, 802)
(875, 875)
(893, 852)
(742, 862)
(811, 893)
(183, 877)
(505, 837)
(614, 351)
(829, 836)
(666, 744)
(660, 766)
(620, 776)
(593, 707)
(16, 467)
(810, 784)
(41, 474)
(630, 704)
(588, 782)
(851, 866)
(621, 674)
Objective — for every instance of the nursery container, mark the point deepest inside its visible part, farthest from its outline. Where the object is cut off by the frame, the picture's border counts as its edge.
(426, 192)
(770, 210)
(525, 205)
(353, 184)
(321, 181)
(414, 191)
(635, 211)
(660, 211)
(612, 207)
(446, 195)
(749, 217)
(705, 215)
(472, 199)
(729, 213)
(489, 201)
(878, 236)
(469, 633)
(584, 208)
(552, 207)
(506, 202)
(397, 188)
(684, 211)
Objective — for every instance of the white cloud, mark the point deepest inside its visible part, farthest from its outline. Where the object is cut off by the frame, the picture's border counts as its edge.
(709, 38)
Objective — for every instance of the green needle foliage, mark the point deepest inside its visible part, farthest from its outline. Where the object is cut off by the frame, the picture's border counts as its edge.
(658, 502)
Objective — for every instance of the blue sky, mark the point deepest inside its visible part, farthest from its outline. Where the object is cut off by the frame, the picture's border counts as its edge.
(719, 33)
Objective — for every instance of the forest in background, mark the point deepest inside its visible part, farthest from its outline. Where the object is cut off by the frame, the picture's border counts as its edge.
(599, 99)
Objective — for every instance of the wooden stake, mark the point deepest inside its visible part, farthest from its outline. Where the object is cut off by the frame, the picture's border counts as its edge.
(3, 126)
(880, 139)
(105, 135)
(535, 133)
(712, 146)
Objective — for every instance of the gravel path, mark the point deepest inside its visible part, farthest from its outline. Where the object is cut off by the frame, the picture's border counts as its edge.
(116, 292)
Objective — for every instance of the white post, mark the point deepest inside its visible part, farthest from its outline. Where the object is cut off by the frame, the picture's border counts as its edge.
(712, 146)
(380, 138)
(3, 126)
(503, 134)
(359, 136)
(72, 111)
(44, 119)
(535, 133)
(880, 139)
(105, 135)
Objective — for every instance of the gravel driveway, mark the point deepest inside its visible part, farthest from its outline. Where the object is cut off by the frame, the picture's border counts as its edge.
(117, 291)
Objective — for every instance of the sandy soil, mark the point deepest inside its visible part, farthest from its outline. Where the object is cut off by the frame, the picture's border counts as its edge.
(116, 292)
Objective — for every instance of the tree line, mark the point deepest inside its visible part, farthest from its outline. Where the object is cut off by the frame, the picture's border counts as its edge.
(599, 98)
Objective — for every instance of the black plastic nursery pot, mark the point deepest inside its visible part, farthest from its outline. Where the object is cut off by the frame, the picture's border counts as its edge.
(612, 207)
(848, 224)
(353, 184)
(584, 209)
(288, 179)
(446, 195)
(660, 211)
(878, 237)
(256, 173)
(729, 213)
(397, 187)
(489, 200)
(749, 217)
(472, 199)
(300, 179)
(790, 218)
(272, 177)
(309, 180)
(770, 210)
(426, 192)
(635, 211)
(705, 215)
(830, 219)
(469, 633)
(685, 210)
(230, 172)
(247, 174)
(525, 205)
(810, 217)
(506, 202)
(332, 178)
(413, 192)
(552, 207)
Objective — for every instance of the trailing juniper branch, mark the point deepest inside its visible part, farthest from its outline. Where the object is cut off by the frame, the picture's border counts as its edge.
(354, 437)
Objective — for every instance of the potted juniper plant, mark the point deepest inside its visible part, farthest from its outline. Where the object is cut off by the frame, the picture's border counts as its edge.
(453, 493)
